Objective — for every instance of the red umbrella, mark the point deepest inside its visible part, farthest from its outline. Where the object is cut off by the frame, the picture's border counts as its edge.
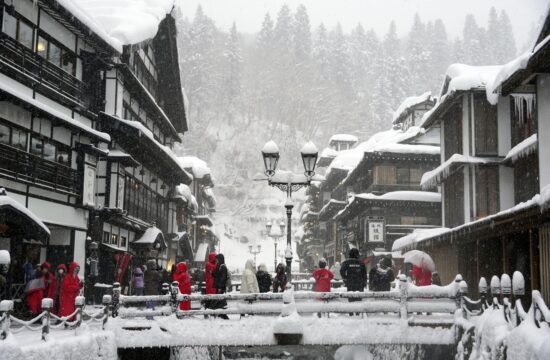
(420, 259)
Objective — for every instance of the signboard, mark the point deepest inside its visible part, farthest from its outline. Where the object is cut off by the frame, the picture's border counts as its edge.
(375, 230)
(88, 191)
(120, 192)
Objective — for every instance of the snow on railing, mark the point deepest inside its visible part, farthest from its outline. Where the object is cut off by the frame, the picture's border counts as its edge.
(501, 302)
(46, 320)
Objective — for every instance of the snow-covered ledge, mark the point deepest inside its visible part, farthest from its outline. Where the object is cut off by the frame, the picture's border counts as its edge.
(523, 149)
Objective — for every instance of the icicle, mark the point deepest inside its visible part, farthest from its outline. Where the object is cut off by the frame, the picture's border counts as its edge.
(522, 100)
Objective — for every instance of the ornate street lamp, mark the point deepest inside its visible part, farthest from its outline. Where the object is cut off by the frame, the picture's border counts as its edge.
(255, 250)
(288, 182)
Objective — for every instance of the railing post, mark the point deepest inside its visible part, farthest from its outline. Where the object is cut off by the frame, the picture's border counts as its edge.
(458, 295)
(165, 288)
(6, 308)
(174, 292)
(79, 302)
(47, 305)
(495, 290)
(506, 290)
(518, 290)
(403, 294)
(106, 306)
(463, 291)
(116, 299)
(483, 292)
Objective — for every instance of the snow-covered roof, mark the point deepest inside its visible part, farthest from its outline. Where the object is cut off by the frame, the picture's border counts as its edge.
(424, 196)
(524, 148)
(328, 153)
(165, 149)
(199, 167)
(23, 93)
(184, 193)
(431, 178)
(409, 103)
(150, 235)
(416, 236)
(461, 77)
(6, 200)
(343, 138)
(407, 149)
(120, 22)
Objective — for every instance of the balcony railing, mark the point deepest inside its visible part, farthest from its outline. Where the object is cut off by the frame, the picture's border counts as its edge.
(39, 69)
(31, 168)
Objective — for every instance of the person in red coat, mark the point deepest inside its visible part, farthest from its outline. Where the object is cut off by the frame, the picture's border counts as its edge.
(184, 281)
(34, 292)
(70, 287)
(209, 269)
(322, 277)
(421, 276)
(50, 283)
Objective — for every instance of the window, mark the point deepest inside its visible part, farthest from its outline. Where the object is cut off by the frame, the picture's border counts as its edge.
(25, 34)
(42, 47)
(525, 124)
(385, 175)
(487, 194)
(414, 220)
(10, 26)
(114, 239)
(4, 134)
(36, 146)
(122, 241)
(452, 129)
(453, 188)
(106, 237)
(49, 151)
(68, 61)
(403, 175)
(63, 156)
(486, 126)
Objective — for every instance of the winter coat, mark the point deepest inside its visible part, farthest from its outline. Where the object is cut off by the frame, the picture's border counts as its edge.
(380, 278)
(50, 283)
(184, 283)
(249, 284)
(152, 279)
(34, 293)
(335, 269)
(322, 279)
(138, 278)
(70, 286)
(421, 277)
(354, 274)
(280, 280)
(209, 269)
(220, 275)
(58, 281)
(264, 279)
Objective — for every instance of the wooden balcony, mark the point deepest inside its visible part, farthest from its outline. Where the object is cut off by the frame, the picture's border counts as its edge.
(26, 167)
(16, 59)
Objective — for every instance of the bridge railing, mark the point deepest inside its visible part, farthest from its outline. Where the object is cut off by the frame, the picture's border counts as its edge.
(504, 295)
(407, 299)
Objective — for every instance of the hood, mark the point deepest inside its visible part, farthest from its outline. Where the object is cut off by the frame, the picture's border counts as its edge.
(181, 267)
(262, 267)
(211, 257)
(151, 264)
(221, 259)
(250, 265)
(46, 265)
(138, 271)
(280, 268)
(73, 265)
(354, 253)
(62, 266)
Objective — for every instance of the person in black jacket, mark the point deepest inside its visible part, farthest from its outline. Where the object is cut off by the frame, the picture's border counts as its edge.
(381, 276)
(354, 273)
(264, 279)
(220, 283)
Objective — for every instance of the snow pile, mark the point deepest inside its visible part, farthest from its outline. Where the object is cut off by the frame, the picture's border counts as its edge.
(199, 167)
(407, 149)
(328, 153)
(523, 149)
(184, 193)
(409, 103)
(343, 138)
(416, 236)
(4, 257)
(120, 22)
(431, 178)
(423, 196)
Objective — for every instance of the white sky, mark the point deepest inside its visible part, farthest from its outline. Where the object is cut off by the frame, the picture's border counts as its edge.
(375, 14)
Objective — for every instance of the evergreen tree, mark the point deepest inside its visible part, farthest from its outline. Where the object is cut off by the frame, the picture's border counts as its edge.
(440, 55)
(233, 89)
(302, 36)
(418, 56)
(474, 53)
(507, 44)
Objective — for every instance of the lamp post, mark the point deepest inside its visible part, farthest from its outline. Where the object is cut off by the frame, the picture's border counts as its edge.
(255, 250)
(289, 182)
(275, 238)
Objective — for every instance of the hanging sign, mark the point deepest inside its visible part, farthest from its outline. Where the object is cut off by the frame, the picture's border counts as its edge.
(375, 229)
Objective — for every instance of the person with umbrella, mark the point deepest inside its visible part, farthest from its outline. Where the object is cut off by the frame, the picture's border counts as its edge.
(422, 267)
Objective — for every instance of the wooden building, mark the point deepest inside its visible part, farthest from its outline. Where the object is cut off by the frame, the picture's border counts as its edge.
(490, 175)
(49, 138)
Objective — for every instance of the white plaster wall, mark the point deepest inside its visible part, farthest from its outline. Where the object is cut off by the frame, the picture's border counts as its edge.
(504, 126)
(59, 214)
(465, 125)
(466, 194)
(80, 251)
(543, 115)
